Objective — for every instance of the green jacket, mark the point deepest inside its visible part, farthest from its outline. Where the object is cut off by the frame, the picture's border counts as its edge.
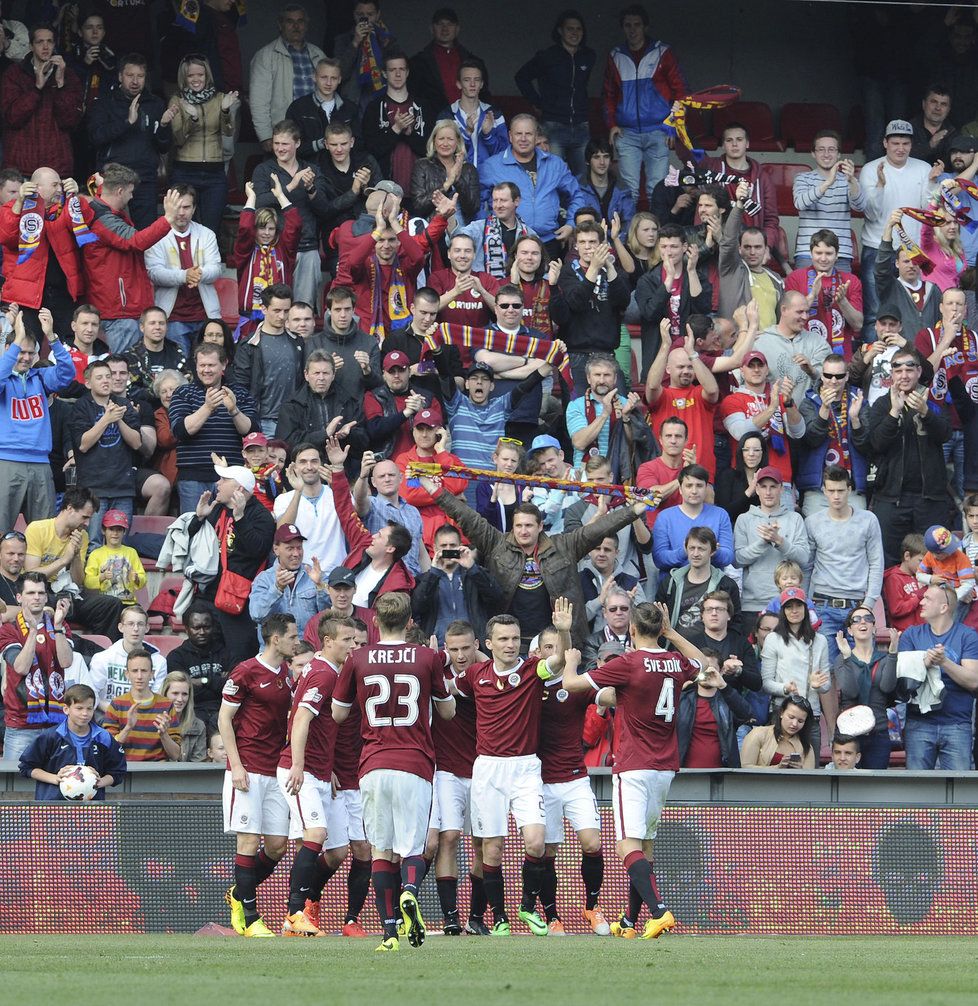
(559, 555)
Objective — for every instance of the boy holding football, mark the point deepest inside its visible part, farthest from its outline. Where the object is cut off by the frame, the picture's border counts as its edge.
(56, 752)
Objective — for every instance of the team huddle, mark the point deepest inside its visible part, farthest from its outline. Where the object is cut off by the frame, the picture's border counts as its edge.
(393, 750)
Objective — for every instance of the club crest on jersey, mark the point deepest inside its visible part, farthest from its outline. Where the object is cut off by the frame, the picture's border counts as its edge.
(562, 695)
(514, 679)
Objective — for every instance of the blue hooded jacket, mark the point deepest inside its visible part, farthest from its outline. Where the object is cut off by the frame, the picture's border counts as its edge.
(25, 423)
(52, 749)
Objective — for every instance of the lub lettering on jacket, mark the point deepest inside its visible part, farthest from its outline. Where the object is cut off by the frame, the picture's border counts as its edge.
(24, 410)
(398, 656)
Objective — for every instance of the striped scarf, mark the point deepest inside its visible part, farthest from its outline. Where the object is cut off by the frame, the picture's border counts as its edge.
(45, 687)
(369, 73)
(519, 343)
(397, 306)
(32, 224)
(494, 248)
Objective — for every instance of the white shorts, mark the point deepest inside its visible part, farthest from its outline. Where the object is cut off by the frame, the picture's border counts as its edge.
(313, 807)
(450, 805)
(501, 786)
(261, 810)
(349, 817)
(396, 807)
(572, 800)
(638, 798)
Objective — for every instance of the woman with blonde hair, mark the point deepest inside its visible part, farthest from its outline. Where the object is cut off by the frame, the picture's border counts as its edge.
(446, 168)
(178, 688)
(202, 117)
(637, 254)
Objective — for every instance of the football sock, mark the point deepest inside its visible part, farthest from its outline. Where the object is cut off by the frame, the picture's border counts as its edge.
(492, 880)
(357, 888)
(477, 902)
(413, 870)
(246, 886)
(592, 873)
(448, 896)
(264, 867)
(532, 882)
(548, 888)
(634, 906)
(303, 875)
(640, 871)
(384, 877)
(321, 878)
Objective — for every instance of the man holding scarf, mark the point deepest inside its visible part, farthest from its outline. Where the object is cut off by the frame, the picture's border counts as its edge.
(835, 298)
(36, 650)
(45, 217)
(361, 54)
(496, 235)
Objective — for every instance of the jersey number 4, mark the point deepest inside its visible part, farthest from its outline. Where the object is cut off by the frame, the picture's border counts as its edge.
(408, 702)
(665, 708)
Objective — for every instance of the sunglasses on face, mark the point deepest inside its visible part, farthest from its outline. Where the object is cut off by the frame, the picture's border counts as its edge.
(905, 366)
(619, 608)
(834, 377)
(857, 619)
(509, 307)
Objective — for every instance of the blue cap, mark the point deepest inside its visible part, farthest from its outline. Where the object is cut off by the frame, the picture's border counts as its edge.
(543, 443)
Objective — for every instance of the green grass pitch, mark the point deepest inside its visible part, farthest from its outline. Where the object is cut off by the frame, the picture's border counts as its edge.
(467, 971)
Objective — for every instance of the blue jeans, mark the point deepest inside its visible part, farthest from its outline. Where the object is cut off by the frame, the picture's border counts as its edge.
(875, 750)
(268, 426)
(638, 149)
(954, 454)
(16, 740)
(569, 142)
(929, 745)
(871, 301)
(212, 192)
(189, 491)
(833, 619)
(121, 333)
(181, 333)
(107, 503)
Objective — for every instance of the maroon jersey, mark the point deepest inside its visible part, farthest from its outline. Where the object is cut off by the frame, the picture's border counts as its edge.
(315, 692)
(562, 733)
(455, 739)
(349, 746)
(508, 707)
(468, 308)
(263, 696)
(44, 680)
(648, 683)
(394, 685)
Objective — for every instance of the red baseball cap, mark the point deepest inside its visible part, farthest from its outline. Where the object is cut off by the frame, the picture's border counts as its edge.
(770, 472)
(427, 417)
(753, 355)
(115, 518)
(396, 358)
(255, 440)
(288, 532)
(793, 594)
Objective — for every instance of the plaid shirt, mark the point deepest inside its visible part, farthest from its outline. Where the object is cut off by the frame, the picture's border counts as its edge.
(302, 72)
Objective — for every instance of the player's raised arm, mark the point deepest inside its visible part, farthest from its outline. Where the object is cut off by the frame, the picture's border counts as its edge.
(573, 681)
(677, 640)
(563, 620)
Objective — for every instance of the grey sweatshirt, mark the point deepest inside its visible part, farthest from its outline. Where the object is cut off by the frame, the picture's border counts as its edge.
(758, 557)
(847, 556)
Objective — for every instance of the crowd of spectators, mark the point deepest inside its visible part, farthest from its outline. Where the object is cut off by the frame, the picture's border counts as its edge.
(807, 423)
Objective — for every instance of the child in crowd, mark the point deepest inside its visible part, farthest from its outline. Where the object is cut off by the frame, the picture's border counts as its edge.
(113, 568)
(787, 574)
(215, 748)
(846, 753)
(140, 720)
(193, 734)
(77, 741)
(902, 590)
(264, 251)
(945, 562)
(254, 450)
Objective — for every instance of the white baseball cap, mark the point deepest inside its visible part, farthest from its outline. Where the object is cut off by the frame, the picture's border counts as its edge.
(243, 476)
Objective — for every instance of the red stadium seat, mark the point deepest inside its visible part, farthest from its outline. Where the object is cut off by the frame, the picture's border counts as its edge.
(165, 643)
(143, 599)
(227, 293)
(756, 116)
(20, 524)
(144, 524)
(783, 177)
(800, 121)
(102, 641)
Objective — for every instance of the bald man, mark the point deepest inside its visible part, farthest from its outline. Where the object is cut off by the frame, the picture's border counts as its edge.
(691, 394)
(790, 349)
(42, 279)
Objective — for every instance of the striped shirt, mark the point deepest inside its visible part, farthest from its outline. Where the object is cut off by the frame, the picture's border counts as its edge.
(143, 742)
(475, 429)
(831, 211)
(217, 435)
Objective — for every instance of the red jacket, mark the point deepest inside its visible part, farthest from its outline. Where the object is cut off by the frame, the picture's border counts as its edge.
(245, 249)
(118, 284)
(37, 124)
(358, 538)
(24, 283)
(901, 598)
(432, 515)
